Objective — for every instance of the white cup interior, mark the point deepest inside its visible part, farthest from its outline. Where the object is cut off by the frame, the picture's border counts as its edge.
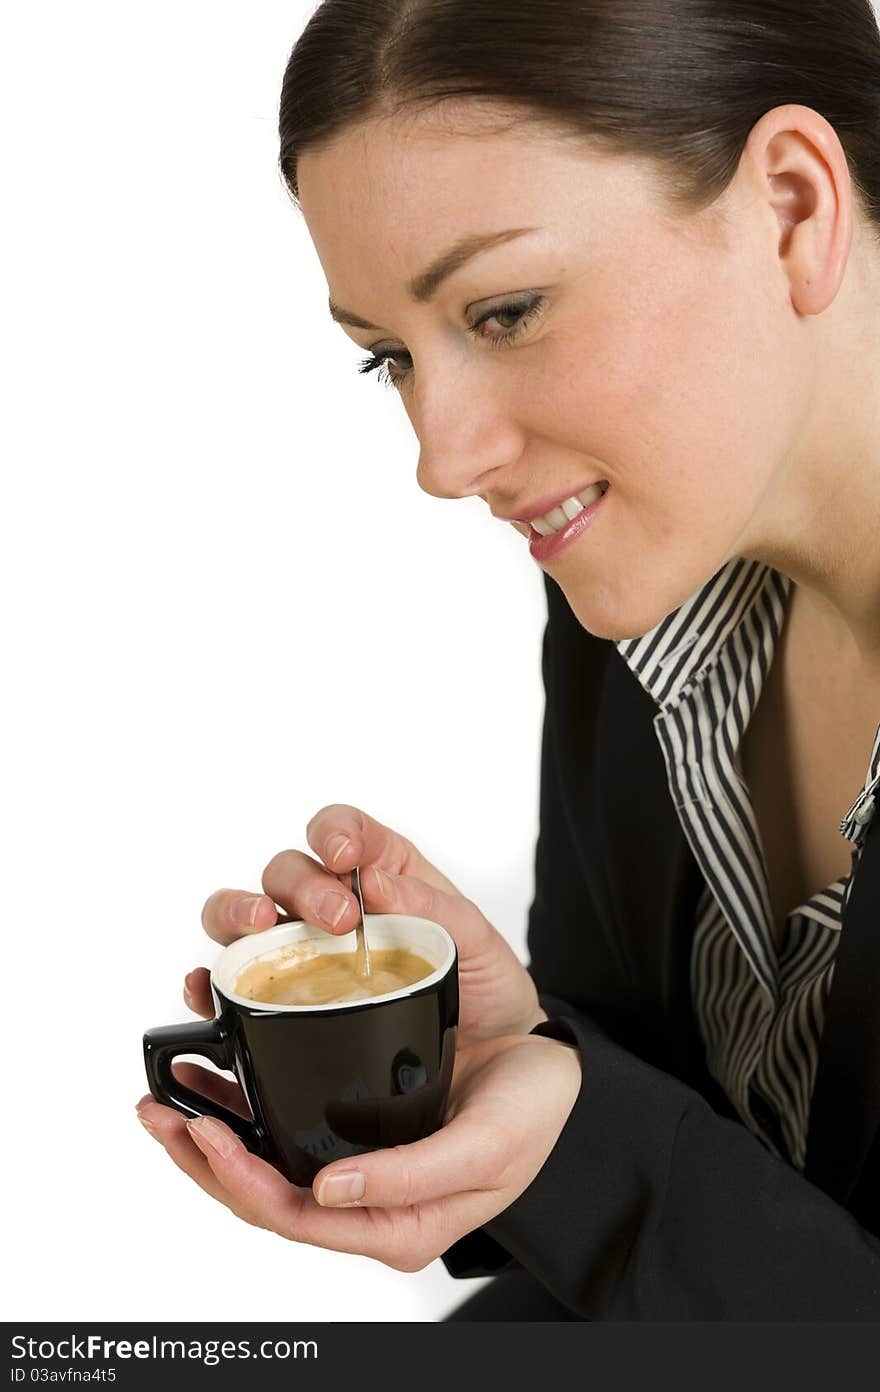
(420, 935)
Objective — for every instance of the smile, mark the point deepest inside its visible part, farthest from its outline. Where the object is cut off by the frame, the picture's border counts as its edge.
(559, 517)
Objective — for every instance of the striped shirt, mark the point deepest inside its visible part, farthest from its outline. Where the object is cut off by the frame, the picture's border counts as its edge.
(760, 1009)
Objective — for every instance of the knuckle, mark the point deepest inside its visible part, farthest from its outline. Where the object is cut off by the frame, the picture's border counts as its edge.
(215, 910)
(413, 1259)
(209, 907)
(400, 1257)
(481, 928)
(404, 1186)
(429, 906)
(492, 1159)
(412, 1239)
(313, 825)
(402, 1264)
(284, 875)
(336, 815)
(247, 1215)
(278, 865)
(288, 1221)
(421, 897)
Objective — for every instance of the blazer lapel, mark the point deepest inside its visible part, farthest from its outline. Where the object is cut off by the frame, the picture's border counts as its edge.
(651, 878)
(845, 1111)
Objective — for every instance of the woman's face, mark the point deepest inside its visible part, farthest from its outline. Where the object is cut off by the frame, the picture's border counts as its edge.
(663, 355)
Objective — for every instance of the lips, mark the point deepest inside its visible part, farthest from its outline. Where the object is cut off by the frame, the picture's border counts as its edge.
(542, 506)
(546, 549)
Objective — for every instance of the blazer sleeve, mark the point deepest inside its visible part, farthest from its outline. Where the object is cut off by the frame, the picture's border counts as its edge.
(652, 1206)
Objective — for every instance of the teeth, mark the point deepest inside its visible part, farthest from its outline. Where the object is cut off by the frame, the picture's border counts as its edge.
(560, 517)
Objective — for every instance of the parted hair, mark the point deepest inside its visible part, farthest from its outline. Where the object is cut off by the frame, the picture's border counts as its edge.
(681, 82)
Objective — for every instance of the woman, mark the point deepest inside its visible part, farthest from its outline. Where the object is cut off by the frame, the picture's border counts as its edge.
(666, 219)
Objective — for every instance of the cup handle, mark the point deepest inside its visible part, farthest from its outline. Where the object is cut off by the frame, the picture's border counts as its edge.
(206, 1037)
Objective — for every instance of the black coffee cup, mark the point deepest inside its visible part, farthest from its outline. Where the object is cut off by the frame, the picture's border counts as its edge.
(327, 1081)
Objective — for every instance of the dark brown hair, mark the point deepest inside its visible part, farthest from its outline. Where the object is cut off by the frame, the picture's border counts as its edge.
(681, 82)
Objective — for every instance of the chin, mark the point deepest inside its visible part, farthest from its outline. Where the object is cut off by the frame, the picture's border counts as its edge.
(614, 621)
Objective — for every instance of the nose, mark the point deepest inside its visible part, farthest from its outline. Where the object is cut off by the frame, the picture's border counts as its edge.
(463, 442)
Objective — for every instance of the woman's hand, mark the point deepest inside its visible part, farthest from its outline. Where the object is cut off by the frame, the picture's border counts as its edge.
(498, 996)
(510, 1099)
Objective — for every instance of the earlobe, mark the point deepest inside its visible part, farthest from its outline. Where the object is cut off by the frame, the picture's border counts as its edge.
(803, 164)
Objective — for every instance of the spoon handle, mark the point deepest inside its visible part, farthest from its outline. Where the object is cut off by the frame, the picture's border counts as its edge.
(363, 951)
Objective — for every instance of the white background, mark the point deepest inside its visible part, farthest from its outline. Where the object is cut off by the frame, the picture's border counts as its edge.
(227, 604)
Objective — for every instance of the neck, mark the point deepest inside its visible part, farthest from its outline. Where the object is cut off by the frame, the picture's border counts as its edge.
(822, 513)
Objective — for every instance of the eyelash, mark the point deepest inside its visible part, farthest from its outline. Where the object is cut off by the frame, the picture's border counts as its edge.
(530, 311)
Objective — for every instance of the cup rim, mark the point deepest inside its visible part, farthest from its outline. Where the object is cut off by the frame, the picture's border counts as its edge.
(281, 933)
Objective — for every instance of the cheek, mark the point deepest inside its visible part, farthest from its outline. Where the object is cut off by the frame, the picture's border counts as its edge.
(683, 397)
(683, 403)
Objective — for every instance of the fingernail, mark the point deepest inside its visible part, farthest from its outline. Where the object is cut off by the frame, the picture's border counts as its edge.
(245, 911)
(383, 882)
(207, 1130)
(335, 846)
(331, 908)
(188, 997)
(346, 1187)
(148, 1125)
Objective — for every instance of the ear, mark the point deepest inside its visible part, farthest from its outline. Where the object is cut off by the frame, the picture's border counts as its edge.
(796, 163)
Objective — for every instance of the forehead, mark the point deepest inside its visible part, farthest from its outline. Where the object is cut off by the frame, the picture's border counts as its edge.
(401, 186)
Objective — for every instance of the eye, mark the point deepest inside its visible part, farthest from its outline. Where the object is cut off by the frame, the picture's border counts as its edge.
(523, 313)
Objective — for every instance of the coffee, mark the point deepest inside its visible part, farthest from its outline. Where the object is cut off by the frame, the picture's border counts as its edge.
(302, 974)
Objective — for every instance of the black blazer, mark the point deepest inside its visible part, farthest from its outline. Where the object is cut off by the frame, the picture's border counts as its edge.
(657, 1202)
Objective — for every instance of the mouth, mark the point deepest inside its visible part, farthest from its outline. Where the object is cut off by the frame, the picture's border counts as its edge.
(547, 549)
(557, 518)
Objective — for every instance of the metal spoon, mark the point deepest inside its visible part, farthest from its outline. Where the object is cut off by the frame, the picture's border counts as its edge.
(363, 951)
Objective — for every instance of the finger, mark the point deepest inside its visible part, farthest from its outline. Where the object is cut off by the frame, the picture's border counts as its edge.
(460, 1158)
(228, 914)
(257, 1188)
(169, 1128)
(213, 1086)
(369, 842)
(406, 894)
(300, 884)
(307, 890)
(311, 892)
(197, 992)
(251, 1183)
(257, 1193)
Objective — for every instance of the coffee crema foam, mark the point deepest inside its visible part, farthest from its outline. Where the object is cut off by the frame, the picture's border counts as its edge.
(302, 974)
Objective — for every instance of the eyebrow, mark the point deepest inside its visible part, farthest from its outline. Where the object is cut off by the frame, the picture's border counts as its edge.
(422, 287)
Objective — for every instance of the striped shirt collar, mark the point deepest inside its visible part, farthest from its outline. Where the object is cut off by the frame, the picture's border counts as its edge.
(683, 646)
(677, 653)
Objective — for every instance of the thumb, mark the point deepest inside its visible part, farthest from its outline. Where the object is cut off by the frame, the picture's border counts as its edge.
(462, 1156)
